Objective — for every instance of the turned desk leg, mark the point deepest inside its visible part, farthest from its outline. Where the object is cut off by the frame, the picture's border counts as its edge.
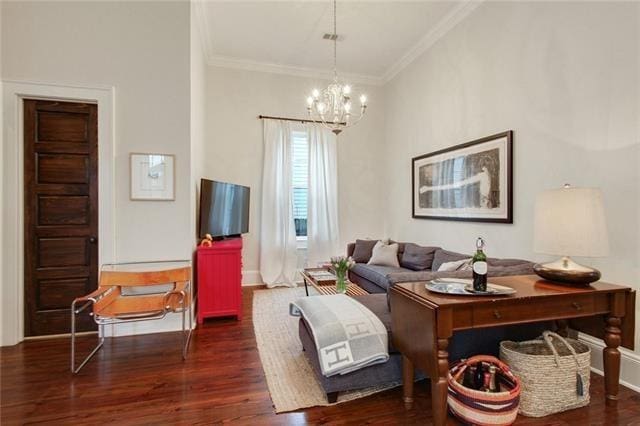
(407, 382)
(439, 385)
(611, 359)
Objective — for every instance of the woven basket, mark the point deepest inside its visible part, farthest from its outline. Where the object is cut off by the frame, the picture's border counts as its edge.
(554, 372)
(478, 407)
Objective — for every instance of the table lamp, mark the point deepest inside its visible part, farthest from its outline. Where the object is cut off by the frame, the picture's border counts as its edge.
(570, 222)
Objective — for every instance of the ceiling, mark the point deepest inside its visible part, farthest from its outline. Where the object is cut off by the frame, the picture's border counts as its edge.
(376, 38)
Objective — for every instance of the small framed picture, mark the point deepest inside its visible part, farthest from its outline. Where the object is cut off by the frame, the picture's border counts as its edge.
(152, 177)
(468, 182)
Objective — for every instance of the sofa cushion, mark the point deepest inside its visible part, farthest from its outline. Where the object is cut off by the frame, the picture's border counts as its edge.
(417, 258)
(456, 265)
(442, 256)
(384, 255)
(525, 268)
(376, 274)
(362, 250)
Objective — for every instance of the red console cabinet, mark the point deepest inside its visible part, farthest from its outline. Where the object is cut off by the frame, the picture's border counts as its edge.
(219, 269)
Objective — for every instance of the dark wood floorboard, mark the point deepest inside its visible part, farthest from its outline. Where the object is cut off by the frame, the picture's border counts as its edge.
(143, 381)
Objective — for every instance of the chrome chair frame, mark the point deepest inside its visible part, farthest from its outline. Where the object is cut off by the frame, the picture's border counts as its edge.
(122, 319)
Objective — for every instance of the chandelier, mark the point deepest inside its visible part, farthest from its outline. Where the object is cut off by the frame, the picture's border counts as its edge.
(333, 106)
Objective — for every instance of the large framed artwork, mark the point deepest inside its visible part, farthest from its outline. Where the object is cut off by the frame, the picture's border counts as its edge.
(470, 182)
(152, 177)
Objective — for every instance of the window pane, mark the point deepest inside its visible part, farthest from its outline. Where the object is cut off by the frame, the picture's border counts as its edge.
(300, 181)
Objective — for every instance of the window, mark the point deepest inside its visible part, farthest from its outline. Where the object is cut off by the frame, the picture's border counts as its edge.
(300, 159)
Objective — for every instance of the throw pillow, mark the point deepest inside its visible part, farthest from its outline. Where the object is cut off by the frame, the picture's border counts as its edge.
(456, 265)
(417, 258)
(443, 256)
(384, 255)
(362, 250)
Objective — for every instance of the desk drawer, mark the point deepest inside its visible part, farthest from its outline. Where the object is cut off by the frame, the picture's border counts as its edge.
(539, 309)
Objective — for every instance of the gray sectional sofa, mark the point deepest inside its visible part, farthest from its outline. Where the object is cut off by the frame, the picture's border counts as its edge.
(417, 264)
(378, 279)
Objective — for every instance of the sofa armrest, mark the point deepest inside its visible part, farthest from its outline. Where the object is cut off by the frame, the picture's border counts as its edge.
(350, 248)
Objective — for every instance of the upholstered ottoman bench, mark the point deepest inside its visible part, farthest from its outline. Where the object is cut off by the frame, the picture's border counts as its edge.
(375, 375)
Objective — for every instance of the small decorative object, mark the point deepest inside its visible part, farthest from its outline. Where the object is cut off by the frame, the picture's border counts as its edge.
(570, 222)
(207, 241)
(152, 177)
(471, 182)
(554, 371)
(480, 404)
(341, 264)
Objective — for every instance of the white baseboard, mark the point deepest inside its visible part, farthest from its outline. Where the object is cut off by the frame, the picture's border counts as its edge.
(629, 362)
(250, 278)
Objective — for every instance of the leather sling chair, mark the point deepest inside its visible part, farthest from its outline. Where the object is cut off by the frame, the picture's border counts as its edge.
(112, 303)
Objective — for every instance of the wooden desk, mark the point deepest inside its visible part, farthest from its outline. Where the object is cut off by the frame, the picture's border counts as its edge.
(423, 322)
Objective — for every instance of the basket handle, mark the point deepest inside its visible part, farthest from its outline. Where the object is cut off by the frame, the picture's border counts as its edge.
(547, 335)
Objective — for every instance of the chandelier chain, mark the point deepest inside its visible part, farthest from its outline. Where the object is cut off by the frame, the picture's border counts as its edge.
(335, 42)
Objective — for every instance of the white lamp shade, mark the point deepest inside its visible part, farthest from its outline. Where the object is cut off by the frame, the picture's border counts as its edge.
(570, 222)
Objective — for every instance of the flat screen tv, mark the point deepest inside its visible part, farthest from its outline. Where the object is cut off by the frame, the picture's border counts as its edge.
(224, 209)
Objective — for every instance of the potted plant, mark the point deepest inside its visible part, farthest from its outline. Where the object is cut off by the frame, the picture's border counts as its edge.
(341, 264)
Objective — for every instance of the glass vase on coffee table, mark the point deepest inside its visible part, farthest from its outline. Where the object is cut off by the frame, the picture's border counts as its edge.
(341, 264)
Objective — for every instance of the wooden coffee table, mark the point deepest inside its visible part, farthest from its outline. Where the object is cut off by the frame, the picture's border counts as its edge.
(327, 287)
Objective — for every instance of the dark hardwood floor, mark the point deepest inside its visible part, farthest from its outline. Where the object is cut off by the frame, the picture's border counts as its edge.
(142, 380)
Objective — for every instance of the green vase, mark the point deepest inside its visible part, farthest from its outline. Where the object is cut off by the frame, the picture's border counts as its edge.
(341, 282)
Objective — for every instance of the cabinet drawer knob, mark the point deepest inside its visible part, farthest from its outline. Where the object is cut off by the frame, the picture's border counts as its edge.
(497, 314)
(576, 305)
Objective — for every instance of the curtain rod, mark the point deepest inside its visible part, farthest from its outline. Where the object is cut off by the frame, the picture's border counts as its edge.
(299, 120)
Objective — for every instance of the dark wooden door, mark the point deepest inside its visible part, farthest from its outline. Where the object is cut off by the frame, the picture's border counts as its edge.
(60, 212)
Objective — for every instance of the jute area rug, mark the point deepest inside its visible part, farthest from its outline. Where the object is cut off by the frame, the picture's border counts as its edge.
(290, 378)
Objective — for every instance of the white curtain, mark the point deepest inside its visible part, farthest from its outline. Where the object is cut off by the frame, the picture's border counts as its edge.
(278, 258)
(322, 219)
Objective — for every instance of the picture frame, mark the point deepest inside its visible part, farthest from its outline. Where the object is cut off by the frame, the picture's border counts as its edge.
(470, 182)
(152, 177)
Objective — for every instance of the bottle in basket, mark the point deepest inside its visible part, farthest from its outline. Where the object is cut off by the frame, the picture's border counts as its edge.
(479, 263)
(492, 379)
(478, 379)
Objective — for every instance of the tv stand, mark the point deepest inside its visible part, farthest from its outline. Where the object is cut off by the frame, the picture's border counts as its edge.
(219, 269)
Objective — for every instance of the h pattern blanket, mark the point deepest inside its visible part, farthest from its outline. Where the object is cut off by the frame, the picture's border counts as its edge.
(348, 336)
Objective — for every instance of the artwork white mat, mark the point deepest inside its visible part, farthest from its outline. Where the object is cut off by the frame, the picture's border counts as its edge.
(152, 177)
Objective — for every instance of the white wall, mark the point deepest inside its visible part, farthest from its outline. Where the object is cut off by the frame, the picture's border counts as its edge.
(565, 78)
(198, 105)
(142, 50)
(234, 148)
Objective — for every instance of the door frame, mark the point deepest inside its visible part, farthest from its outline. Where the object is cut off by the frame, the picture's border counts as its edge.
(12, 266)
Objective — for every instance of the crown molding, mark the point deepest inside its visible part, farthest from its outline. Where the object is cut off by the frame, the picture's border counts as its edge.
(203, 29)
(446, 24)
(245, 64)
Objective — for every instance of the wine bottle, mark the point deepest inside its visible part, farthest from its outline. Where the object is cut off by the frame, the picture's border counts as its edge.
(468, 380)
(478, 379)
(479, 263)
(492, 379)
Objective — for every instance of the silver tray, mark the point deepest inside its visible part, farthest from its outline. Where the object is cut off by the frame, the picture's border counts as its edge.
(463, 287)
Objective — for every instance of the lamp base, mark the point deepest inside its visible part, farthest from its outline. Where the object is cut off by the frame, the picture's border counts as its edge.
(566, 270)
